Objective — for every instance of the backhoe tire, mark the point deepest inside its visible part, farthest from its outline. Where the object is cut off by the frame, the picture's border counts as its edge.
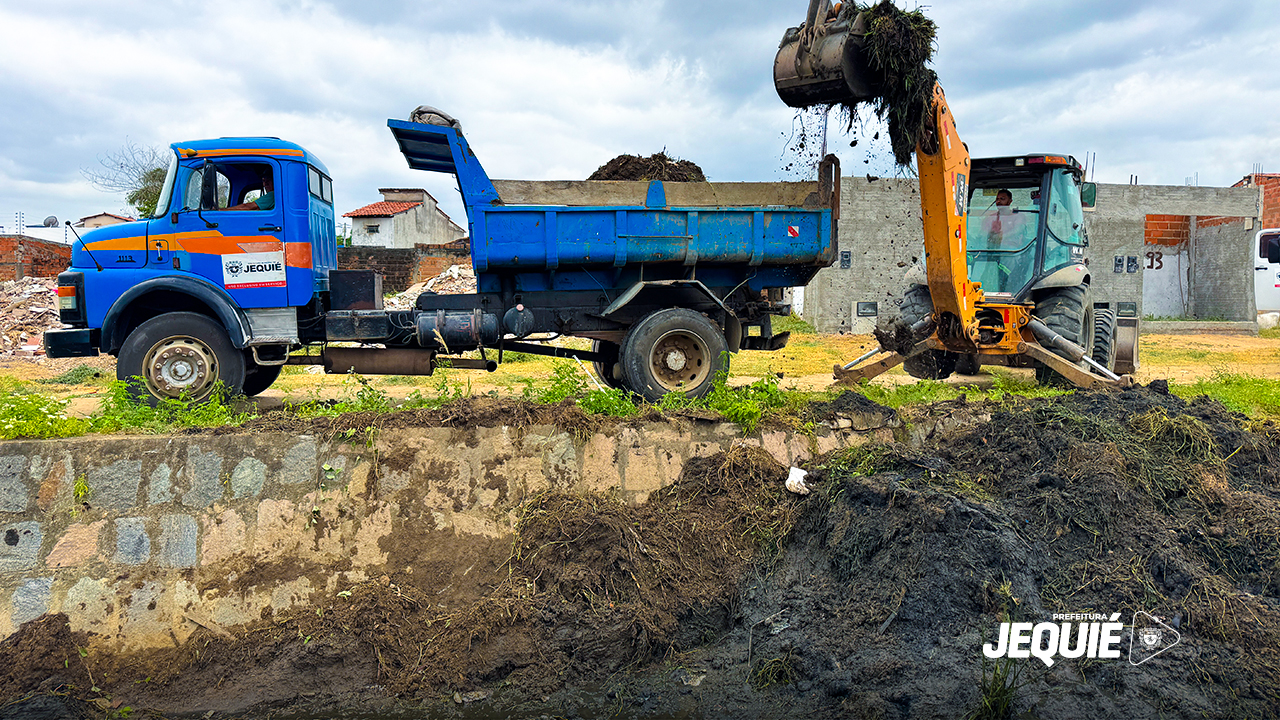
(917, 305)
(257, 378)
(1068, 312)
(1104, 338)
(672, 350)
(180, 354)
(609, 372)
(968, 365)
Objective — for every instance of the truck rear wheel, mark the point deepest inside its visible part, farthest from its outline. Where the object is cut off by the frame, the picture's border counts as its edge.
(672, 350)
(257, 378)
(180, 353)
(610, 371)
(917, 304)
(1068, 312)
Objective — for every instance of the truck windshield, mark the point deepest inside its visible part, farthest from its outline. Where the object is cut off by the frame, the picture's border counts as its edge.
(166, 190)
(1001, 234)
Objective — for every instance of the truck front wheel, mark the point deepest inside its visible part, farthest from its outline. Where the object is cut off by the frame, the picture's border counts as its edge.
(672, 350)
(180, 354)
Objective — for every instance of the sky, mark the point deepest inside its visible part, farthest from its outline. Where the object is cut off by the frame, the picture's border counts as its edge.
(551, 89)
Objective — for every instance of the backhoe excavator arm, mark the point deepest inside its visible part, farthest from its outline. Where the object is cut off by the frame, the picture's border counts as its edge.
(942, 161)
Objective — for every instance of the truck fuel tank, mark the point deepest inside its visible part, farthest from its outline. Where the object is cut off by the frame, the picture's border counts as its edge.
(457, 330)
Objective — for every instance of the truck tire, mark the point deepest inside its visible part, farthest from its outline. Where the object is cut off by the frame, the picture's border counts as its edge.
(672, 350)
(609, 372)
(1068, 312)
(917, 305)
(1104, 338)
(257, 378)
(180, 352)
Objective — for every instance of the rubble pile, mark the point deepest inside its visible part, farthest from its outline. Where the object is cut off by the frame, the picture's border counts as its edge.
(28, 307)
(457, 280)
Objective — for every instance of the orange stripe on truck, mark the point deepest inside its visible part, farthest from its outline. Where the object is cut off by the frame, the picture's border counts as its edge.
(297, 254)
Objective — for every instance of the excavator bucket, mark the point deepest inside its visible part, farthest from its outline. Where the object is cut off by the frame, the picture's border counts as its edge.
(821, 62)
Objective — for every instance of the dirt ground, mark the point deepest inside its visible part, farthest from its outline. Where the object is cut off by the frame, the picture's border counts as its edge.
(726, 596)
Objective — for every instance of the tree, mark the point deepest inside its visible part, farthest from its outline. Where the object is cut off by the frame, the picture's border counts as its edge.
(136, 170)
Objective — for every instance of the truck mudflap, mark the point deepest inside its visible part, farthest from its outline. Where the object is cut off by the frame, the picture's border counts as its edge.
(71, 342)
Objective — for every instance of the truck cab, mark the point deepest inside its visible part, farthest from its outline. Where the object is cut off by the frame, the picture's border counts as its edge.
(243, 234)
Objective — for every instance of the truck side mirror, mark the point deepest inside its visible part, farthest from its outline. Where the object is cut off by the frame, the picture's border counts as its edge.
(208, 186)
(1089, 194)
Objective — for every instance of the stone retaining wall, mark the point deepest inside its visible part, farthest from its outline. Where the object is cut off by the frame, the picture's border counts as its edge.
(177, 532)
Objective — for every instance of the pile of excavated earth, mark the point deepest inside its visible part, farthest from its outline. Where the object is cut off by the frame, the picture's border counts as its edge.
(724, 595)
(658, 166)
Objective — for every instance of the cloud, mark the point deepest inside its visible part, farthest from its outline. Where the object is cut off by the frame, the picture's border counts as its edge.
(554, 88)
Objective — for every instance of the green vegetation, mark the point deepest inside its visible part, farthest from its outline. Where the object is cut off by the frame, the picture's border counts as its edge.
(77, 375)
(1003, 385)
(793, 324)
(121, 410)
(1254, 396)
(1001, 680)
(32, 415)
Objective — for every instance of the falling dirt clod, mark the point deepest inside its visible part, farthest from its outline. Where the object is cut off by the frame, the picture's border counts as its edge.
(658, 166)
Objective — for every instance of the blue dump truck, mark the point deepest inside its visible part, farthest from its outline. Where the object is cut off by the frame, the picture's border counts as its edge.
(237, 273)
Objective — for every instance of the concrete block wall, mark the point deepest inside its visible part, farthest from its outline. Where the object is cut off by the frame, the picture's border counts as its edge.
(881, 231)
(181, 532)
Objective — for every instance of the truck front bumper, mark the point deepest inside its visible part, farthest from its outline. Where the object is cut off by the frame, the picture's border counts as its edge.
(71, 342)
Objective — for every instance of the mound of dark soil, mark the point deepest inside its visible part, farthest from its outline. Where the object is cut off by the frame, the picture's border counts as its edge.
(655, 167)
(870, 597)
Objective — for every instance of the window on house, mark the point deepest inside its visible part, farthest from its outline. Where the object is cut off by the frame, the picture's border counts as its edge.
(371, 229)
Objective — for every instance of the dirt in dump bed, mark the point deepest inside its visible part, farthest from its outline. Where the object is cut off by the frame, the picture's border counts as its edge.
(658, 166)
(725, 596)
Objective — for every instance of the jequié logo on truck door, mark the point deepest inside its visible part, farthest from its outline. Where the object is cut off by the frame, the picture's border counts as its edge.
(253, 270)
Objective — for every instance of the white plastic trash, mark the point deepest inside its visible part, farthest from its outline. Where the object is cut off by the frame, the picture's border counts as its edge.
(795, 481)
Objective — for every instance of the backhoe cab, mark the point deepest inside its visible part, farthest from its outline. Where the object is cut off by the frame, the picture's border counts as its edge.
(1004, 278)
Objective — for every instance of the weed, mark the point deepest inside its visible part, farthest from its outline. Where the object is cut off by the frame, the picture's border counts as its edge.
(745, 405)
(122, 410)
(32, 415)
(77, 375)
(773, 672)
(81, 490)
(566, 382)
(610, 401)
(1001, 680)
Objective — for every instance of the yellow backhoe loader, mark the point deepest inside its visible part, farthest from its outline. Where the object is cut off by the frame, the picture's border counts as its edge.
(1003, 277)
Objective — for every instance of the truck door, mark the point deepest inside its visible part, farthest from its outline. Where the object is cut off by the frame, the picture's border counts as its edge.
(244, 251)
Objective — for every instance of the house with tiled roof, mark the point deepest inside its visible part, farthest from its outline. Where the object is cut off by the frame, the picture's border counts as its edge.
(101, 220)
(405, 217)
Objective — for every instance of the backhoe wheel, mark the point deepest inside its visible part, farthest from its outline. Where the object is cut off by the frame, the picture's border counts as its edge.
(1068, 312)
(257, 378)
(610, 371)
(1104, 338)
(917, 305)
(672, 350)
(180, 353)
(968, 365)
